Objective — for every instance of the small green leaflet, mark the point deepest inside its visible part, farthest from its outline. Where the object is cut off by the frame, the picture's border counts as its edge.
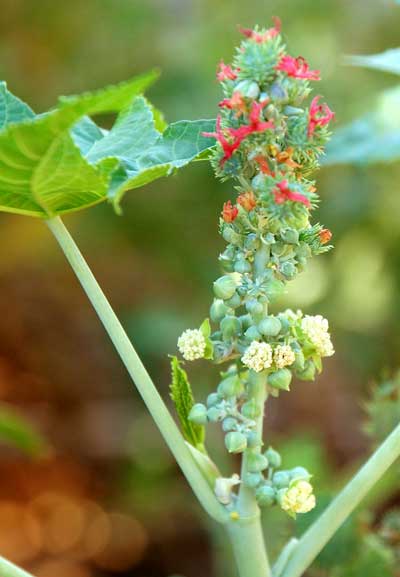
(16, 431)
(61, 161)
(372, 138)
(182, 396)
(388, 61)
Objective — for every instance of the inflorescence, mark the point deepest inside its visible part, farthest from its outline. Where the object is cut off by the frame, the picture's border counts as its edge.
(268, 140)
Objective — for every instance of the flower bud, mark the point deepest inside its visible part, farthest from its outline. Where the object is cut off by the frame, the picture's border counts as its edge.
(252, 334)
(292, 111)
(278, 92)
(230, 327)
(229, 424)
(256, 462)
(270, 326)
(273, 457)
(285, 325)
(231, 236)
(230, 387)
(250, 409)
(288, 269)
(252, 480)
(251, 242)
(280, 379)
(235, 442)
(281, 479)
(266, 496)
(234, 302)
(246, 321)
(198, 414)
(218, 310)
(242, 265)
(248, 88)
(213, 399)
(299, 473)
(215, 415)
(308, 373)
(225, 287)
(298, 364)
(254, 307)
(290, 235)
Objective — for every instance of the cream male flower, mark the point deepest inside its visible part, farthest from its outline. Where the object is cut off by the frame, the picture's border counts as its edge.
(317, 330)
(284, 356)
(258, 356)
(298, 497)
(192, 344)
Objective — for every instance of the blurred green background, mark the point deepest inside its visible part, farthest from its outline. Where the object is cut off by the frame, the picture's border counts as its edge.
(107, 500)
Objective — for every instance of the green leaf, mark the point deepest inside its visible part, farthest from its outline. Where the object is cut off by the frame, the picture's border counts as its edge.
(18, 432)
(41, 143)
(182, 396)
(373, 138)
(12, 109)
(205, 328)
(388, 61)
(180, 143)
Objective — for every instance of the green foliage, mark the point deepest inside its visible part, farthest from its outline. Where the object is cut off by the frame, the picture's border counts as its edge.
(61, 161)
(16, 431)
(383, 409)
(372, 560)
(372, 138)
(182, 396)
(388, 61)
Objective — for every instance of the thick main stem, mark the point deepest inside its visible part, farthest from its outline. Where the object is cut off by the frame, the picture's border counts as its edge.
(137, 371)
(318, 535)
(8, 569)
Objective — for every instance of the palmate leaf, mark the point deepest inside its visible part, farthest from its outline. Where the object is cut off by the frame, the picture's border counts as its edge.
(143, 151)
(34, 146)
(372, 138)
(61, 161)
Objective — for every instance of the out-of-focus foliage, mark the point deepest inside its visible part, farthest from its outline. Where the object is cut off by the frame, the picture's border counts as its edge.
(388, 61)
(383, 409)
(18, 432)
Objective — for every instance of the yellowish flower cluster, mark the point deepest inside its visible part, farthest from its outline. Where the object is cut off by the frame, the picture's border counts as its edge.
(192, 344)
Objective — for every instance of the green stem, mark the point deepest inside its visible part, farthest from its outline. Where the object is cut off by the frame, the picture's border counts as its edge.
(316, 537)
(8, 569)
(248, 547)
(137, 371)
(246, 535)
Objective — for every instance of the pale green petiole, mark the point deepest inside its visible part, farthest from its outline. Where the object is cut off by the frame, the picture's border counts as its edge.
(318, 535)
(8, 569)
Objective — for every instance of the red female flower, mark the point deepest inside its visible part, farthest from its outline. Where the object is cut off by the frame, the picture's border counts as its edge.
(325, 235)
(229, 212)
(225, 72)
(297, 68)
(247, 200)
(264, 36)
(236, 102)
(228, 147)
(255, 124)
(263, 164)
(284, 193)
(320, 115)
(285, 157)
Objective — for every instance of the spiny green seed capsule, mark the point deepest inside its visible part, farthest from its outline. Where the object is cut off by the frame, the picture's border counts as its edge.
(270, 327)
(266, 496)
(235, 442)
(280, 379)
(273, 457)
(256, 462)
(290, 235)
(198, 414)
(288, 269)
(225, 287)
